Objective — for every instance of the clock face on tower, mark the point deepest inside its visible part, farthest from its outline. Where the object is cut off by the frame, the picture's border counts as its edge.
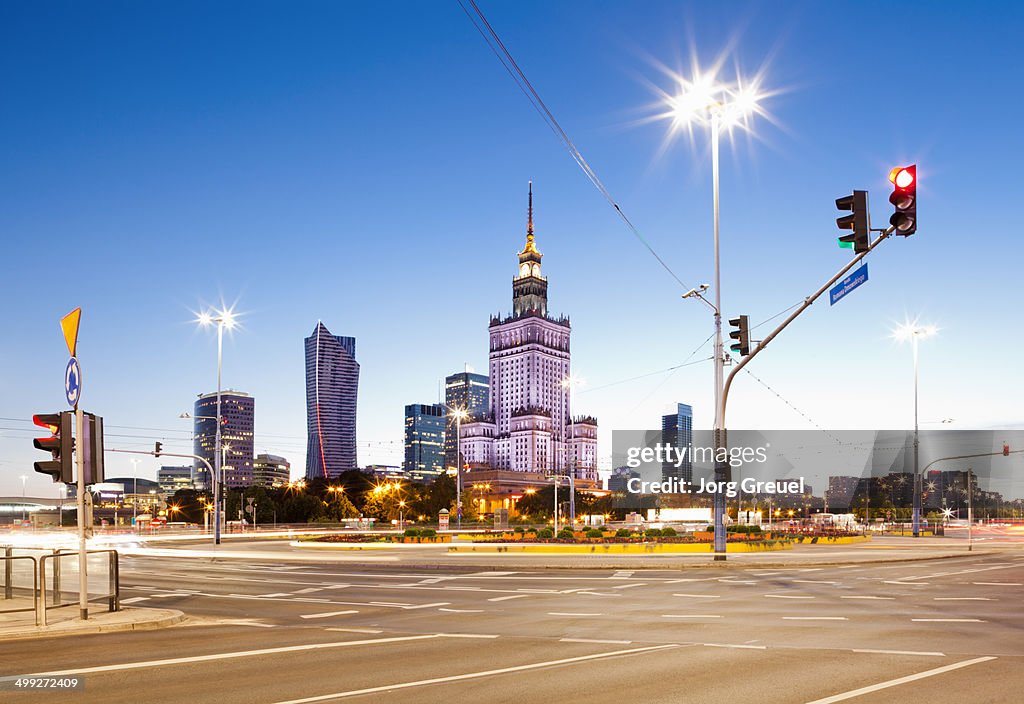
(524, 269)
(535, 270)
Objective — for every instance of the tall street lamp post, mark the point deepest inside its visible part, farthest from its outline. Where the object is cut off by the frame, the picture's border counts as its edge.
(223, 319)
(459, 414)
(913, 332)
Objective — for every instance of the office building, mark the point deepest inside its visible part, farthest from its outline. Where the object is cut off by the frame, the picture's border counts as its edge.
(464, 390)
(270, 470)
(238, 418)
(332, 389)
(677, 431)
(171, 479)
(424, 441)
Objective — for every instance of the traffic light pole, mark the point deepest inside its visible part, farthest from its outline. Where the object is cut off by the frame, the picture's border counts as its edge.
(721, 443)
(83, 560)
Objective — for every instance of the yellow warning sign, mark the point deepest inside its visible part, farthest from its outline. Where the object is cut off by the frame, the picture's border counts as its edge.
(69, 324)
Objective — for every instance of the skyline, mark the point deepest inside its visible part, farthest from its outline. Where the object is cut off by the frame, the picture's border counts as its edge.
(254, 160)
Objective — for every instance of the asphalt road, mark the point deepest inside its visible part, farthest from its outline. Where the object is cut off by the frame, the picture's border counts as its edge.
(263, 632)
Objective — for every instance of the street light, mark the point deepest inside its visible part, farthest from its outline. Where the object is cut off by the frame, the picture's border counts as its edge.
(914, 332)
(570, 383)
(23, 480)
(459, 414)
(705, 101)
(224, 319)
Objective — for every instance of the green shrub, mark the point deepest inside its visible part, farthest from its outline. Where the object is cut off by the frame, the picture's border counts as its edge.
(623, 533)
(411, 532)
(519, 529)
(428, 533)
(594, 533)
(653, 532)
(668, 533)
(546, 533)
(565, 534)
(709, 529)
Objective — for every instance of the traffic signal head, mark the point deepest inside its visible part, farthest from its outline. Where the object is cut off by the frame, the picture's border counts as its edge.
(157, 449)
(1006, 449)
(859, 221)
(904, 199)
(60, 444)
(741, 334)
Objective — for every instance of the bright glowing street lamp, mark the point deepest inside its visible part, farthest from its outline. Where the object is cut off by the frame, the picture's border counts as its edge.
(913, 332)
(459, 414)
(705, 101)
(224, 319)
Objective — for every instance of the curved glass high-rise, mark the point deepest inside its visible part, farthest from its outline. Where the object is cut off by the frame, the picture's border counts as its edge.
(332, 387)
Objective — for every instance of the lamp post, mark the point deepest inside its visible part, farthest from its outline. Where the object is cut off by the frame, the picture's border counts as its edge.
(703, 100)
(570, 383)
(459, 414)
(23, 480)
(223, 319)
(913, 332)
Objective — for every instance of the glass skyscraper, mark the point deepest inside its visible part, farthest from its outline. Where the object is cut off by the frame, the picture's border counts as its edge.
(677, 430)
(464, 390)
(424, 440)
(332, 388)
(236, 436)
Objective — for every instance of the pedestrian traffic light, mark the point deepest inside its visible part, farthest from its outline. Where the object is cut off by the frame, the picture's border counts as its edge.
(60, 445)
(904, 198)
(741, 334)
(157, 449)
(859, 220)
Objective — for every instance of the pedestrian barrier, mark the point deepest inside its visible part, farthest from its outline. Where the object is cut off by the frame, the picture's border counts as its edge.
(102, 584)
(19, 584)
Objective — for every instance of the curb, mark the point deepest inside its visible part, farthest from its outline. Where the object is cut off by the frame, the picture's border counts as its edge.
(172, 617)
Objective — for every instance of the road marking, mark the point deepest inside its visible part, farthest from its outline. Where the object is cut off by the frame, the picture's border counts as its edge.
(899, 652)
(466, 635)
(426, 606)
(906, 584)
(901, 680)
(815, 618)
(886, 598)
(475, 675)
(244, 622)
(307, 590)
(135, 599)
(328, 614)
(491, 574)
(356, 630)
(949, 620)
(962, 598)
(274, 594)
(997, 584)
(690, 616)
(506, 598)
(691, 579)
(462, 611)
(222, 656)
(594, 640)
(741, 647)
(622, 574)
(700, 596)
(390, 603)
(599, 593)
(628, 586)
(572, 613)
(786, 596)
(812, 581)
(166, 596)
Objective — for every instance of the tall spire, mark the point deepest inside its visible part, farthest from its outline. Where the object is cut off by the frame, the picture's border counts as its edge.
(530, 247)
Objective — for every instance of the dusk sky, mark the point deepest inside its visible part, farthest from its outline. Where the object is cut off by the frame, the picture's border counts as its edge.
(367, 165)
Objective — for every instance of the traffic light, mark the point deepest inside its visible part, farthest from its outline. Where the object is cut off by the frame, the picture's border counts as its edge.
(1006, 449)
(741, 334)
(92, 449)
(157, 449)
(859, 220)
(904, 198)
(60, 445)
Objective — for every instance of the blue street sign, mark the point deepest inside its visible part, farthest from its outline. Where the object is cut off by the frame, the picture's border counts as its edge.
(848, 284)
(73, 382)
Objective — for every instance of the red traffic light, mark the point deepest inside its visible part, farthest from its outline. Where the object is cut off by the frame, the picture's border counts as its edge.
(903, 176)
(50, 421)
(1006, 449)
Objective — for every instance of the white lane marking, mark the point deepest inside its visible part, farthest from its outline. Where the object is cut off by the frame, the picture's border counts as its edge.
(594, 640)
(356, 630)
(786, 596)
(898, 681)
(244, 622)
(622, 574)
(476, 675)
(886, 598)
(328, 614)
(467, 635)
(948, 620)
(390, 603)
(905, 584)
(222, 656)
(572, 613)
(997, 584)
(1000, 566)
(506, 598)
(962, 598)
(899, 652)
(629, 586)
(307, 590)
(700, 596)
(274, 594)
(691, 579)
(815, 618)
(426, 606)
(135, 599)
(690, 616)
(491, 574)
(740, 647)
(462, 611)
(735, 581)
(599, 593)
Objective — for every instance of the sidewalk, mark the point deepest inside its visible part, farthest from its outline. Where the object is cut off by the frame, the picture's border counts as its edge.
(65, 621)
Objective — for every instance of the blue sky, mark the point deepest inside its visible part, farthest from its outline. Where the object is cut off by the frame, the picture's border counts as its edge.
(367, 165)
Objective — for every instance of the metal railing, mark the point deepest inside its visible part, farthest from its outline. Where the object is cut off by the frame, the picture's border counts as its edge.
(58, 598)
(15, 584)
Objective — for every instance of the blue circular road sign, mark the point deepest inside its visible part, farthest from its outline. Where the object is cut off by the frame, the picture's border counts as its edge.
(73, 382)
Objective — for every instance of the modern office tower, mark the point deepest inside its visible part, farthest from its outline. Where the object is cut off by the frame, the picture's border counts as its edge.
(171, 479)
(529, 426)
(270, 470)
(238, 414)
(677, 431)
(471, 392)
(424, 441)
(332, 389)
